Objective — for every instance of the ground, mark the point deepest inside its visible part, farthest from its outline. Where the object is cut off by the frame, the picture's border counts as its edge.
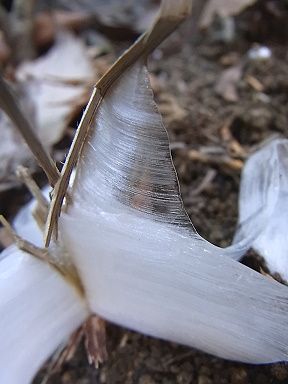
(212, 130)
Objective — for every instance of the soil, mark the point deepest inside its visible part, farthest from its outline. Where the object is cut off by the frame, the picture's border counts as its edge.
(211, 134)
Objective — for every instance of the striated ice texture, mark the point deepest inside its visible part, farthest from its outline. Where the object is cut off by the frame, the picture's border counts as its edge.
(264, 190)
(39, 310)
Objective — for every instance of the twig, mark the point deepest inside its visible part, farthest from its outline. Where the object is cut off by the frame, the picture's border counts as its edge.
(205, 182)
(26, 246)
(254, 83)
(177, 359)
(68, 352)
(23, 15)
(94, 333)
(5, 26)
(61, 187)
(68, 272)
(198, 9)
(225, 161)
(171, 15)
(233, 145)
(41, 211)
(95, 340)
(10, 106)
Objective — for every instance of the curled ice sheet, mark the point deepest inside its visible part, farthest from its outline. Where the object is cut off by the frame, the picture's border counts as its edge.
(39, 310)
(141, 261)
(129, 157)
(264, 189)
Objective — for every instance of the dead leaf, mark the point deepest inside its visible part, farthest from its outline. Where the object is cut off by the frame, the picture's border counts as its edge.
(254, 83)
(226, 86)
(170, 108)
(112, 16)
(222, 8)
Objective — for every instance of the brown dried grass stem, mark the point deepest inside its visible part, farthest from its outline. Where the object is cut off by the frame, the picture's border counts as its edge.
(10, 106)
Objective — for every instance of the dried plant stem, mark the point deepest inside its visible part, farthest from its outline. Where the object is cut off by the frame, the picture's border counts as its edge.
(224, 161)
(69, 273)
(10, 106)
(23, 15)
(95, 340)
(41, 211)
(64, 355)
(94, 333)
(62, 185)
(171, 15)
(26, 178)
(5, 26)
(26, 246)
(198, 9)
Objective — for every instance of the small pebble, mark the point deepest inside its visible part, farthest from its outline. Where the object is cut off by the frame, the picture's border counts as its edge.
(259, 53)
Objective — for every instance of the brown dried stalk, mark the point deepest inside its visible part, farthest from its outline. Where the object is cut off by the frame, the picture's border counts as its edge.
(95, 340)
(22, 19)
(10, 106)
(26, 246)
(41, 210)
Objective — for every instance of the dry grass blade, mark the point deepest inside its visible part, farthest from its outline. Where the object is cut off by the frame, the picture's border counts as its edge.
(23, 14)
(41, 210)
(12, 109)
(171, 15)
(25, 177)
(61, 187)
(26, 246)
(68, 272)
(64, 355)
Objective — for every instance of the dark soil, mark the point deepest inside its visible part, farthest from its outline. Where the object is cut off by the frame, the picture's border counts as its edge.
(210, 139)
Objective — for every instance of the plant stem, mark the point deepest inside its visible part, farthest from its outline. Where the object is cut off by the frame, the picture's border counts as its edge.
(10, 106)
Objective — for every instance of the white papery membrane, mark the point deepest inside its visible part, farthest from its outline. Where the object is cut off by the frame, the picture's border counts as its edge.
(141, 261)
(55, 82)
(39, 310)
(264, 189)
